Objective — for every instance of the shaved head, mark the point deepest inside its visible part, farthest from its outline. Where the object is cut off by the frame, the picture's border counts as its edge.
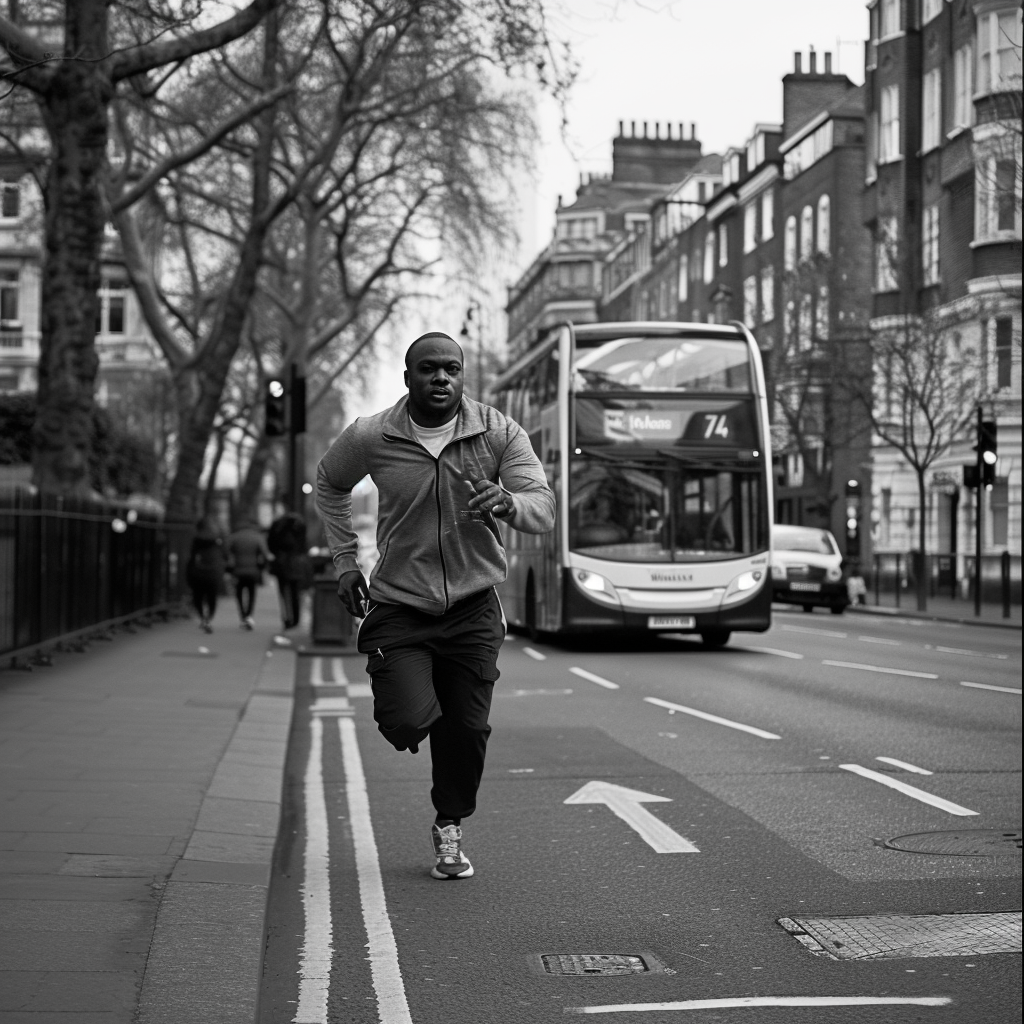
(430, 336)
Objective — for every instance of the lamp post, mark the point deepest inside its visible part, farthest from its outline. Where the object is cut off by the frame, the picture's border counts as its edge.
(474, 308)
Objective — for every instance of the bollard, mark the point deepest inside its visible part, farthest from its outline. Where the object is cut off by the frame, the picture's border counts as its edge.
(899, 578)
(1005, 574)
(878, 579)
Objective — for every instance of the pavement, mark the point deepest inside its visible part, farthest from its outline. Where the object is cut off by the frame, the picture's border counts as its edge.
(140, 802)
(140, 799)
(942, 609)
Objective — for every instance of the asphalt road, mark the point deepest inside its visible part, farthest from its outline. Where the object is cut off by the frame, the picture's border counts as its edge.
(765, 773)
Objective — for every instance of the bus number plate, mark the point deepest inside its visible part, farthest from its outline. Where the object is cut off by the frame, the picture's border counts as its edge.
(671, 622)
(812, 588)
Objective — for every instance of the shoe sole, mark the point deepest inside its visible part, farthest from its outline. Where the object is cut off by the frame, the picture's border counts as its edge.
(445, 877)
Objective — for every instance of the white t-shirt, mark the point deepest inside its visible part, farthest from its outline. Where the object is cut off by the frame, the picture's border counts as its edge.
(434, 438)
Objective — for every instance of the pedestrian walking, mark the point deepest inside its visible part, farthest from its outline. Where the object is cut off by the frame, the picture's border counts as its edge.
(248, 556)
(292, 567)
(446, 468)
(205, 571)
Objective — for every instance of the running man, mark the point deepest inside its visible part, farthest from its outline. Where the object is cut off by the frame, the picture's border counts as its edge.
(446, 468)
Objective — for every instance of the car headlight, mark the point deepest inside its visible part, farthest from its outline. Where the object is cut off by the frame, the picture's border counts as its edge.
(778, 571)
(742, 584)
(833, 574)
(596, 586)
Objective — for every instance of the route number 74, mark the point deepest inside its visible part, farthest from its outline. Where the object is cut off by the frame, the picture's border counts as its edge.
(716, 426)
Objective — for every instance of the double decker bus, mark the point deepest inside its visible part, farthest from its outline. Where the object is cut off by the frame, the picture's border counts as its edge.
(654, 438)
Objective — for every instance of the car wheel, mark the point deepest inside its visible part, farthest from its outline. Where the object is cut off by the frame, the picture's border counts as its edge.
(715, 637)
(809, 608)
(838, 609)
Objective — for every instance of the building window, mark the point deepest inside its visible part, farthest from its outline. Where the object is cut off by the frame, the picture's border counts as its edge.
(930, 9)
(9, 317)
(789, 323)
(684, 277)
(10, 199)
(999, 503)
(113, 305)
(805, 322)
(755, 152)
(997, 196)
(889, 125)
(750, 301)
(821, 313)
(806, 233)
(723, 245)
(824, 226)
(930, 245)
(871, 148)
(931, 110)
(709, 257)
(1004, 352)
(999, 48)
(890, 17)
(790, 243)
(767, 295)
(808, 151)
(767, 215)
(886, 254)
(963, 104)
(577, 227)
(750, 227)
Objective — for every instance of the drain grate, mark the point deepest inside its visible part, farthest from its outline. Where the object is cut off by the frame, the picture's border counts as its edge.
(966, 842)
(593, 965)
(892, 936)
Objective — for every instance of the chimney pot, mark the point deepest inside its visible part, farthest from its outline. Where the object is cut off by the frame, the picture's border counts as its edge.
(620, 129)
(632, 129)
(693, 129)
(812, 60)
(681, 135)
(645, 129)
(798, 63)
(828, 63)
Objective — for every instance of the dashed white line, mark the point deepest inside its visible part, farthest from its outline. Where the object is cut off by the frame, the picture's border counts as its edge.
(882, 669)
(712, 718)
(879, 640)
(911, 791)
(905, 766)
(533, 693)
(770, 650)
(536, 655)
(967, 653)
(989, 686)
(392, 1006)
(815, 632)
(739, 1001)
(584, 674)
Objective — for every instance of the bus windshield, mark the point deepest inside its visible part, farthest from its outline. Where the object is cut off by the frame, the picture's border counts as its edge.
(664, 363)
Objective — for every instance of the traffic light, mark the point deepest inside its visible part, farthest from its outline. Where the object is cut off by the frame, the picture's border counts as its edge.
(987, 456)
(853, 518)
(275, 409)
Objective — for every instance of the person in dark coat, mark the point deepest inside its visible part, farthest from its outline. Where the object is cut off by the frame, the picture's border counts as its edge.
(247, 558)
(292, 567)
(205, 571)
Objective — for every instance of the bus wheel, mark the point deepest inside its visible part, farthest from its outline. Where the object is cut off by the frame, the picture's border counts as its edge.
(531, 612)
(715, 637)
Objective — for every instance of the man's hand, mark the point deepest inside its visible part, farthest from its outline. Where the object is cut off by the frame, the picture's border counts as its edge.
(354, 593)
(493, 498)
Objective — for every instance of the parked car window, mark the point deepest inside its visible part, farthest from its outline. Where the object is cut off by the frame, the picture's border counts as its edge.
(796, 538)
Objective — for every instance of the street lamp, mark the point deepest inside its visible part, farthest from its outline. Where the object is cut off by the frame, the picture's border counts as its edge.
(474, 307)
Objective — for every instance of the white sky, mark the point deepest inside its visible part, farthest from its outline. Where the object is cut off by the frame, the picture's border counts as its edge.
(717, 64)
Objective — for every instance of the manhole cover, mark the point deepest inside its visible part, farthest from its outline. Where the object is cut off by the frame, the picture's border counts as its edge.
(593, 965)
(968, 842)
(893, 936)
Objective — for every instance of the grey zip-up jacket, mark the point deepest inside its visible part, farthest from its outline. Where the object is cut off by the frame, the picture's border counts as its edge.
(434, 549)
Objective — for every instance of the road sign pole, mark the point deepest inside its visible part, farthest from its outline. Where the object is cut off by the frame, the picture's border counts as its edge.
(977, 525)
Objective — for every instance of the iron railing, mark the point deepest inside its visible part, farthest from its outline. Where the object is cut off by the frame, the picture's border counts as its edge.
(949, 576)
(68, 564)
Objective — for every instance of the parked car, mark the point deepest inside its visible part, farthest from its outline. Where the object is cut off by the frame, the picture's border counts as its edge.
(807, 569)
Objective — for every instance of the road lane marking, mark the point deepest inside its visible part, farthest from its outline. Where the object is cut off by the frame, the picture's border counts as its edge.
(882, 669)
(536, 655)
(770, 650)
(967, 653)
(533, 693)
(316, 672)
(905, 766)
(879, 640)
(912, 791)
(627, 804)
(712, 718)
(721, 1004)
(815, 632)
(317, 946)
(584, 674)
(392, 1006)
(988, 686)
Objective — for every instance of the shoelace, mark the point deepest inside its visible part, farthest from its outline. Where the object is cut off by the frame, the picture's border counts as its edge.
(448, 846)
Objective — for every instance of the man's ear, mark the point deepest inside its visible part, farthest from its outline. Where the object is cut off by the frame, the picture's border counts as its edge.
(405, 377)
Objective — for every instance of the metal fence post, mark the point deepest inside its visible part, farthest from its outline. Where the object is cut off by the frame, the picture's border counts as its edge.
(899, 577)
(1005, 573)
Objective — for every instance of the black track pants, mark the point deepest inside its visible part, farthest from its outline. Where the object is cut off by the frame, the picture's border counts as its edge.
(433, 676)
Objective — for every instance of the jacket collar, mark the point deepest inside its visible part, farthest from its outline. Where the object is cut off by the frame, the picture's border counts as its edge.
(469, 421)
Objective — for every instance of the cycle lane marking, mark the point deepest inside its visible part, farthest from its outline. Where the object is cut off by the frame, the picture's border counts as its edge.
(741, 1001)
(989, 686)
(753, 730)
(905, 766)
(911, 791)
(881, 669)
(600, 680)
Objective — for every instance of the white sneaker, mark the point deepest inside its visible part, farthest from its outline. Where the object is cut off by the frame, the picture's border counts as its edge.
(449, 859)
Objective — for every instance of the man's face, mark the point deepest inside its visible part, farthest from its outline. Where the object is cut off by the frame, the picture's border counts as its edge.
(434, 379)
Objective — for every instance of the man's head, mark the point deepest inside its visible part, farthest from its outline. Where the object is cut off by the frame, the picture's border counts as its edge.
(433, 375)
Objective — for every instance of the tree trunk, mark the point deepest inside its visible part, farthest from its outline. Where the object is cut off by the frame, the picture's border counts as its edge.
(922, 536)
(75, 113)
(249, 494)
(211, 483)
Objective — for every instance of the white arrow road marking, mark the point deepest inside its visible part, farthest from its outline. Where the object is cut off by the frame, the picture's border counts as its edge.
(987, 686)
(627, 804)
(584, 674)
(902, 787)
(906, 767)
(880, 668)
(721, 1004)
(753, 730)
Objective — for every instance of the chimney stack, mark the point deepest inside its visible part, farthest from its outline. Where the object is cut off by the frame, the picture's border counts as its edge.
(828, 63)
(812, 61)
(620, 128)
(693, 129)
(798, 61)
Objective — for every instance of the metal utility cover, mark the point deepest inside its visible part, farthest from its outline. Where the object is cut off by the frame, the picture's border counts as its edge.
(890, 937)
(966, 842)
(593, 965)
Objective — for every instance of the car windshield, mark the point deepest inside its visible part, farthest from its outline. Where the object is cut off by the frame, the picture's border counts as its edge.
(802, 538)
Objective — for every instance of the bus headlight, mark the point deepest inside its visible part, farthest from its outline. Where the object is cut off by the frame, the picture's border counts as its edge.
(742, 584)
(596, 586)
(833, 574)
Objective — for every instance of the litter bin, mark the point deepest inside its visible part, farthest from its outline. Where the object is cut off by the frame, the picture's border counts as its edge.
(332, 624)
